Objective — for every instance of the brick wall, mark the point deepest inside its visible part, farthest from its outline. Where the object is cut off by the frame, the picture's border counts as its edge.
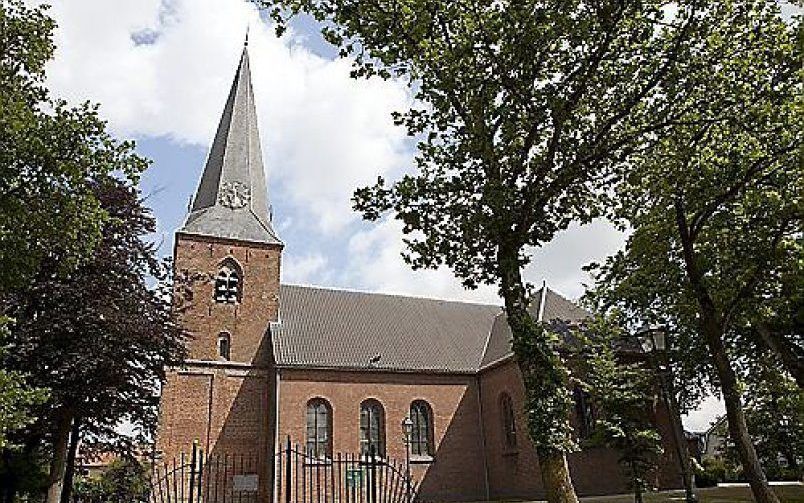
(514, 474)
(457, 472)
(225, 405)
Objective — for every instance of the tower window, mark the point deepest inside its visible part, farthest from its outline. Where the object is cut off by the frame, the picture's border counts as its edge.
(228, 283)
(224, 346)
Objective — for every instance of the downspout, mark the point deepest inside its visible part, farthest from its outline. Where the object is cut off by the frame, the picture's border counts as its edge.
(277, 444)
(483, 437)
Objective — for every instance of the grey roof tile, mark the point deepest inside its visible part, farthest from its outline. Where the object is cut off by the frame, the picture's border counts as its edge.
(344, 329)
(232, 199)
(326, 328)
(556, 308)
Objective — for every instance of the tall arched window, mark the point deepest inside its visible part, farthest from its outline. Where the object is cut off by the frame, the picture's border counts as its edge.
(421, 441)
(508, 420)
(319, 428)
(584, 411)
(372, 428)
(228, 283)
(224, 346)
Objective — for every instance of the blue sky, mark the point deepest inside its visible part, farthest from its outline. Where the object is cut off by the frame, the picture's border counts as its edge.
(160, 70)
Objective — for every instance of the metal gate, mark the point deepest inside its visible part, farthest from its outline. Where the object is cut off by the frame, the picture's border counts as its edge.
(341, 478)
(199, 478)
(297, 478)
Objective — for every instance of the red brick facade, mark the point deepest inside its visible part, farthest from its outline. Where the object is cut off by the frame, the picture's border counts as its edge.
(246, 405)
(226, 406)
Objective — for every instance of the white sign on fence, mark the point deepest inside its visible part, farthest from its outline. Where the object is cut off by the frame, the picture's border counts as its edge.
(246, 483)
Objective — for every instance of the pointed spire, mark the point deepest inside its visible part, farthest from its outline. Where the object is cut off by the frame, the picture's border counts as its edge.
(232, 200)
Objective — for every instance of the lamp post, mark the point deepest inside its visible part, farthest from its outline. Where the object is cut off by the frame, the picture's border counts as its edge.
(407, 431)
(654, 341)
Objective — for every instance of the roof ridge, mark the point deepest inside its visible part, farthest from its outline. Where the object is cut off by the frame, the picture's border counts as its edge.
(396, 295)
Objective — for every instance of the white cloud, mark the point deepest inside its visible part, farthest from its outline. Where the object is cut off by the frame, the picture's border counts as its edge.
(323, 133)
(307, 269)
(702, 417)
(375, 263)
(163, 69)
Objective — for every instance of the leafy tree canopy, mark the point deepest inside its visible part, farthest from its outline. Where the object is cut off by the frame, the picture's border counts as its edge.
(49, 153)
(715, 204)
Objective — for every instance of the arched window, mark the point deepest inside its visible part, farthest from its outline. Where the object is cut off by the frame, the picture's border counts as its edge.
(319, 429)
(508, 420)
(372, 428)
(228, 283)
(584, 411)
(421, 441)
(224, 346)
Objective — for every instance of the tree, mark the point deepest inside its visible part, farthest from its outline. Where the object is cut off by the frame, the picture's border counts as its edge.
(126, 480)
(775, 419)
(49, 152)
(521, 109)
(16, 397)
(99, 337)
(623, 388)
(715, 202)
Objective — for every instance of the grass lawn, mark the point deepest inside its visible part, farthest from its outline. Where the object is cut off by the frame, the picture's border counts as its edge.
(787, 494)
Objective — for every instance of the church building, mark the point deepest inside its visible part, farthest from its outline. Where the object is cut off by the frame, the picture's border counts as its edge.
(339, 371)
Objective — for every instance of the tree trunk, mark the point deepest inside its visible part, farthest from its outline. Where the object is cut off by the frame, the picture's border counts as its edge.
(59, 461)
(792, 359)
(540, 373)
(712, 331)
(69, 472)
(8, 481)
(556, 477)
(738, 430)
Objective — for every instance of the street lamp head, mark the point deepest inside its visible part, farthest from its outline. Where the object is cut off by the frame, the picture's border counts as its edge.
(407, 427)
(653, 338)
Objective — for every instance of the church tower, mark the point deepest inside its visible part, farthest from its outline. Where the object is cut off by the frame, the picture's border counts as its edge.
(227, 260)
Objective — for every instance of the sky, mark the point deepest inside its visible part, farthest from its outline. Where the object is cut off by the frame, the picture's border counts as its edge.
(161, 70)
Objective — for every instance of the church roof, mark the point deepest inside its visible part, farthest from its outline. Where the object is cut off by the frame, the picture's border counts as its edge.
(232, 199)
(556, 308)
(339, 329)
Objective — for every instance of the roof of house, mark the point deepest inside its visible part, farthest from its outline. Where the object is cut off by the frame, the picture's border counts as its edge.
(326, 328)
(232, 199)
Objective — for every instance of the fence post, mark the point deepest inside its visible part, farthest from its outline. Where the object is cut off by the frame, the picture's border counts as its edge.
(193, 460)
(288, 473)
(373, 466)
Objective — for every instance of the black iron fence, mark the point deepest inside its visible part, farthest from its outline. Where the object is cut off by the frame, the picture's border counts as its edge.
(341, 478)
(291, 477)
(197, 478)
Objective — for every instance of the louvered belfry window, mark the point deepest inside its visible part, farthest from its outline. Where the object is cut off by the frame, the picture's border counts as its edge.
(227, 285)
(372, 428)
(421, 440)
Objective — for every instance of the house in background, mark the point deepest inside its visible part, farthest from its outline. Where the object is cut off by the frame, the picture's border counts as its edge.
(339, 371)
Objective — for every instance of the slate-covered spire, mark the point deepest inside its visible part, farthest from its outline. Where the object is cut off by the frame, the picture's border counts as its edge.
(231, 201)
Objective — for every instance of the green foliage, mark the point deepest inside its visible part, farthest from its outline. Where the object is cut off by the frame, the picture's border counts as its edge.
(124, 481)
(16, 397)
(522, 108)
(712, 471)
(775, 417)
(715, 203)
(50, 152)
(100, 337)
(623, 387)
